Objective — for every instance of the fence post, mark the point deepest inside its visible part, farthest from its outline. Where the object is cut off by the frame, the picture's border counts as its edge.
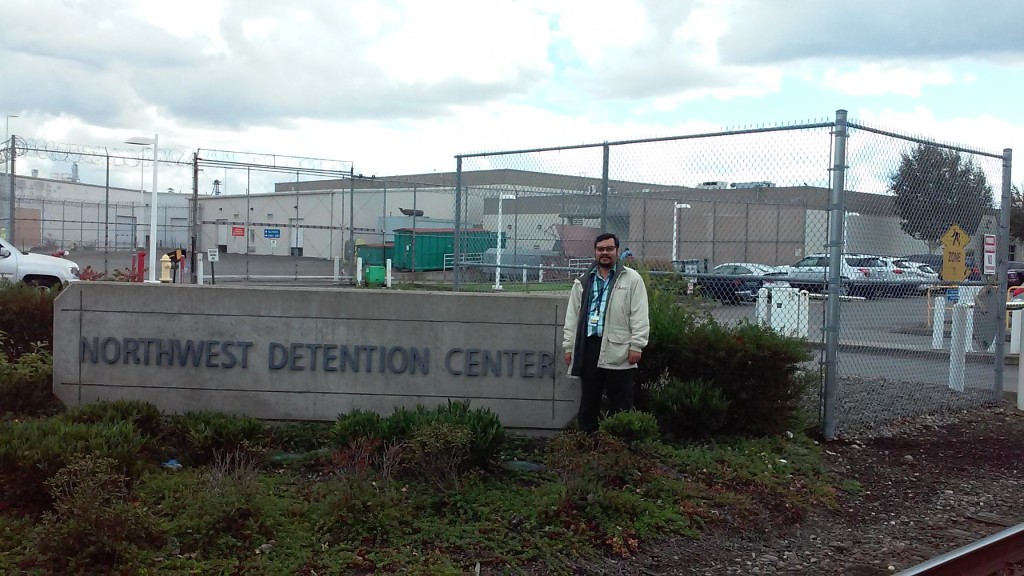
(194, 228)
(456, 236)
(350, 252)
(1002, 249)
(837, 211)
(604, 188)
(12, 153)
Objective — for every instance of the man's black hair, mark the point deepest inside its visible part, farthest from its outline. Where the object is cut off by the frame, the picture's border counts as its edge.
(605, 236)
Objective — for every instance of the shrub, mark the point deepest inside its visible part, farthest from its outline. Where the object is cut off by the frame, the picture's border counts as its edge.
(631, 426)
(31, 452)
(357, 424)
(145, 416)
(486, 432)
(199, 435)
(754, 367)
(26, 383)
(93, 523)
(688, 408)
(26, 313)
(438, 451)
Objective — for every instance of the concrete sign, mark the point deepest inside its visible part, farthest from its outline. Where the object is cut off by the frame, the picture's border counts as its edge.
(310, 354)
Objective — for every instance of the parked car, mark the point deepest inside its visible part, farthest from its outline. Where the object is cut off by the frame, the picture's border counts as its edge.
(935, 261)
(36, 269)
(1014, 274)
(860, 274)
(910, 277)
(733, 282)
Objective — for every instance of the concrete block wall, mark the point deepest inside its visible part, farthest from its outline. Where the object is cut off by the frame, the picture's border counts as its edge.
(312, 353)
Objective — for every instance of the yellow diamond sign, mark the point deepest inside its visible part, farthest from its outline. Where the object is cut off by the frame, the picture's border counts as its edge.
(954, 260)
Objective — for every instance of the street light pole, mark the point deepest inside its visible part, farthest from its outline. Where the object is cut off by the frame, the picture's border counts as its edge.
(675, 227)
(143, 141)
(501, 233)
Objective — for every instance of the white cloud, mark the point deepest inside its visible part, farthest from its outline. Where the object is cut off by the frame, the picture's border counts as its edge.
(879, 79)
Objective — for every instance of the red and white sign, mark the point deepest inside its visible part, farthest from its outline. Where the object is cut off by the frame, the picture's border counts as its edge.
(989, 264)
(237, 231)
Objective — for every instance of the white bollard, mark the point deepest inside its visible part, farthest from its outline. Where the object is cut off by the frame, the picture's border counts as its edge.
(524, 275)
(337, 268)
(199, 269)
(387, 272)
(359, 271)
(1015, 322)
(540, 275)
(803, 329)
(762, 306)
(1018, 331)
(969, 329)
(958, 348)
(938, 322)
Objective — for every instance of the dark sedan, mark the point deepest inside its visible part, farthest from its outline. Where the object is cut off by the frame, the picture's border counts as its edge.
(733, 282)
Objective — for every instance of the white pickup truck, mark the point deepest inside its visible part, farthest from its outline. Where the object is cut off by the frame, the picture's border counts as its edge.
(37, 269)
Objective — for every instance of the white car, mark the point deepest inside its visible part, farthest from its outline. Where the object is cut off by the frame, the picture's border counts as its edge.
(36, 269)
(860, 274)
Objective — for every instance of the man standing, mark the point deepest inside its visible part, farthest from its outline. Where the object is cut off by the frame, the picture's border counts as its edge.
(606, 329)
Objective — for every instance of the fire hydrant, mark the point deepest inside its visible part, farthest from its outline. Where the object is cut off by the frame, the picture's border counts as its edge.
(165, 269)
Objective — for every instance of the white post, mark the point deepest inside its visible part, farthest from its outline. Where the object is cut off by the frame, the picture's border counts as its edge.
(152, 215)
(540, 275)
(359, 271)
(387, 273)
(958, 348)
(1018, 331)
(762, 306)
(969, 329)
(938, 322)
(524, 275)
(1015, 325)
(501, 231)
(199, 269)
(337, 268)
(803, 329)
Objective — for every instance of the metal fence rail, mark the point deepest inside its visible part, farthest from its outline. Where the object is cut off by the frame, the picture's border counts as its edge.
(834, 219)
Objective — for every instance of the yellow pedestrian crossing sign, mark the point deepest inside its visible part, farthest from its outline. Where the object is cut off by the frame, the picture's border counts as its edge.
(954, 259)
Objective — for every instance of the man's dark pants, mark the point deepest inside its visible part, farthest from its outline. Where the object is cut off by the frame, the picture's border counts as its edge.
(616, 384)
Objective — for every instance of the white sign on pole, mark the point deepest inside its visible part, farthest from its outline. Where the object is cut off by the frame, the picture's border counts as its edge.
(212, 255)
(990, 254)
(273, 243)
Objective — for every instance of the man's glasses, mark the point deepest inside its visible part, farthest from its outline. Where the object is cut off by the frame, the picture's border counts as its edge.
(605, 249)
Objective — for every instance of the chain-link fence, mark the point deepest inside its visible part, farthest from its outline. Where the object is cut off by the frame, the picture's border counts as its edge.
(794, 227)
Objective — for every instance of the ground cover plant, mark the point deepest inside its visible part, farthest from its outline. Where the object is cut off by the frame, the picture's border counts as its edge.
(118, 487)
(420, 501)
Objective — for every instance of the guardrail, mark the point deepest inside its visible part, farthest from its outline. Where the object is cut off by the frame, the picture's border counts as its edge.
(982, 558)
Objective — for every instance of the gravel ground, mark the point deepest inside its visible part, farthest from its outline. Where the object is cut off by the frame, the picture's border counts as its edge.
(929, 485)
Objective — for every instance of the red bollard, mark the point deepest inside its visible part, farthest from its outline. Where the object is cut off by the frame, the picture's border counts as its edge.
(139, 266)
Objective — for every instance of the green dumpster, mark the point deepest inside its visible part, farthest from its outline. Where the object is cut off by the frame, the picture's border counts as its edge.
(374, 275)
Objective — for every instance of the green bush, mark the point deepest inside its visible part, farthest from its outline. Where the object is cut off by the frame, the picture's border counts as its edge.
(198, 436)
(754, 367)
(26, 314)
(487, 433)
(688, 408)
(357, 424)
(145, 416)
(94, 525)
(631, 426)
(31, 452)
(26, 383)
(437, 453)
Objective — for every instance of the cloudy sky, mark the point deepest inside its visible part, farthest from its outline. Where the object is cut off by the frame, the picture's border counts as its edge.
(401, 86)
